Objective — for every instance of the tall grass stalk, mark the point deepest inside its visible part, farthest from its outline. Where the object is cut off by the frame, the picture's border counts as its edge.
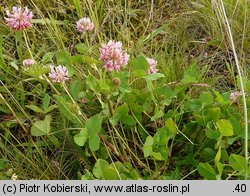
(228, 28)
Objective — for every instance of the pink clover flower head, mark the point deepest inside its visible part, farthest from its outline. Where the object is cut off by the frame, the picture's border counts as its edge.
(19, 19)
(235, 95)
(152, 66)
(58, 74)
(84, 24)
(113, 56)
(28, 62)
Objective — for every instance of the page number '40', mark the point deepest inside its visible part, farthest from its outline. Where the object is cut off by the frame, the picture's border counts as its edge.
(240, 188)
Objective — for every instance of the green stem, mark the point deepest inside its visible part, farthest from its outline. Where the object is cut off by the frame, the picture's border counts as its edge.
(19, 43)
(74, 102)
(241, 84)
(27, 44)
(14, 114)
(52, 86)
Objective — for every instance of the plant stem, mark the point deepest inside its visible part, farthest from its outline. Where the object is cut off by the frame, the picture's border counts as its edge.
(74, 102)
(52, 86)
(241, 84)
(14, 114)
(27, 44)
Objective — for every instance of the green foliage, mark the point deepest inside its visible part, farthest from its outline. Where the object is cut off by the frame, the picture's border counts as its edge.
(178, 123)
(225, 127)
(67, 110)
(238, 162)
(41, 127)
(90, 133)
(207, 171)
(64, 58)
(81, 138)
(157, 146)
(190, 76)
(114, 171)
(139, 66)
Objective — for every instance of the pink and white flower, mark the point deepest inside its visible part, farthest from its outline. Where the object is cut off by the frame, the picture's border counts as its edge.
(28, 62)
(113, 56)
(58, 74)
(152, 66)
(19, 19)
(84, 25)
(235, 95)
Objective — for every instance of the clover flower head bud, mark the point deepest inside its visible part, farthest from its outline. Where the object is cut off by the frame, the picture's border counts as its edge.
(235, 95)
(28, 62)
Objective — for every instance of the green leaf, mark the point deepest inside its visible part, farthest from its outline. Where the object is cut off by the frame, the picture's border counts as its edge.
(225, 127)
(211, 133)
(103, 85)
(147, 147)
(218, 155)
(190, 76)
(171, 126)
(206, 170)
(64, 58)
(54, 140)
(219, 167)
(36, 70)
(195, 105)
(221, 99)
(94, 142)
(206, 98)
(47, 57)
(236, 126)
(140, 66)
(157, 114)
(119, 113)
(163, 150)
(238, 162)
(157, 156)
(46, 101)
(87, 175)
(77, 59)
(93, 126)
(75, 88)
(110, 174)
(66, 110)
(154, 76)
(160, 141)
(81, 138)
(161, 137)
(50, 108)
(128, 120)
(161, 30)
(40, 128)
(35, 109)
(214, 114)
(124, 78)
(82, 48)
(99, 168)
(91, 82)
(89, 60)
